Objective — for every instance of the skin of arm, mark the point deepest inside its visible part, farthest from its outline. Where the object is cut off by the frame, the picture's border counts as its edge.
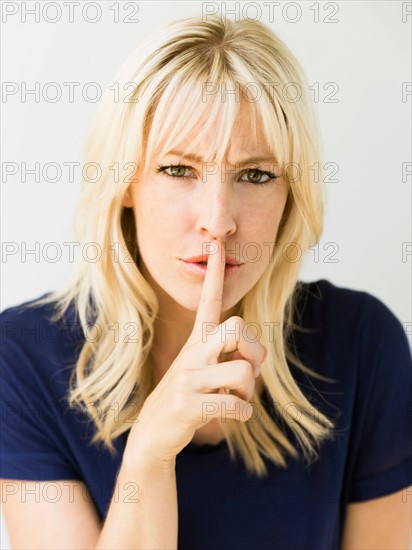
(36, 520)
(380, 523)
(143, 511)
(142, 514)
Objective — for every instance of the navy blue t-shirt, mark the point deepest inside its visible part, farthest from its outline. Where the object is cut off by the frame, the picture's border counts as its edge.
(354, 338)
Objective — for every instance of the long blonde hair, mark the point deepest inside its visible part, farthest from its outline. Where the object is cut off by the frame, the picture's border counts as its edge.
(161, 90)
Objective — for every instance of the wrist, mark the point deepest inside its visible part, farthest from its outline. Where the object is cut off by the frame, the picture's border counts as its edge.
(145, 460)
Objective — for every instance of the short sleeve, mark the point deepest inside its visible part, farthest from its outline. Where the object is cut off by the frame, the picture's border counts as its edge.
(382, 461)
(30, 443)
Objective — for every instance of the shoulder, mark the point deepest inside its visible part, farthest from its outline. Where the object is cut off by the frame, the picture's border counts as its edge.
(28, 309)
(344, 310)
(351, 336)
(37, 425)
(35, 343)
(30, 323)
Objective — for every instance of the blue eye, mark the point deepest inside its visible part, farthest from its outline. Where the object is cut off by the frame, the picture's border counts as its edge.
(175, 168)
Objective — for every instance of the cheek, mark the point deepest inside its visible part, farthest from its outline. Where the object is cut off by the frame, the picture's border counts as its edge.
(262, 219)
(274, 209)
(154, 209)
(165, 203)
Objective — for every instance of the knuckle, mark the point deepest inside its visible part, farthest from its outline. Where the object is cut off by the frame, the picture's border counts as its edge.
(235, 321)
(231, 330)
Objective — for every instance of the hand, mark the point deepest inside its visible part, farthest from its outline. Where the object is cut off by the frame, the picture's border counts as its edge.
(191, 392)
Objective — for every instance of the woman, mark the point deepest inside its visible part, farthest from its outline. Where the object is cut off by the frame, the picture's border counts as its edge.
(208, 386)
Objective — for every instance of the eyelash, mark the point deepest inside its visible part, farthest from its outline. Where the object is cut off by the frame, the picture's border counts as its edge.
(161, 168)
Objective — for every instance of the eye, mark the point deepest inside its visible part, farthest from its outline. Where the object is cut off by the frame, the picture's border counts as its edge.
(178, 171)
(257, 174)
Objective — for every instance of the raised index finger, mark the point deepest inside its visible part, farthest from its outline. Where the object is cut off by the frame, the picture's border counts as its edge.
(210, 305)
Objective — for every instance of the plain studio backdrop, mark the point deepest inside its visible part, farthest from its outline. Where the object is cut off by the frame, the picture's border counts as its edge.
(357, 59)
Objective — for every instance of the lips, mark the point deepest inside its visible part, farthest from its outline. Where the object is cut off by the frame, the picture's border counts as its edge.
(199, 269)
(203, 260)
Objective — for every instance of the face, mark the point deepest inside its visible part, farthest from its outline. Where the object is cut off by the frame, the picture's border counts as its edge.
(177, 210)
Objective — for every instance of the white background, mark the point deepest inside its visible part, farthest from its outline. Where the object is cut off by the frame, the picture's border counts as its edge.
(366, 133)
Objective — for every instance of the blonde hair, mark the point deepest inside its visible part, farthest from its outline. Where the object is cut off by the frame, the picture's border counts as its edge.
(162, 87)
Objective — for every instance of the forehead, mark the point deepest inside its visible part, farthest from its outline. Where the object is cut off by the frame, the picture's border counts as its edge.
(246, 137)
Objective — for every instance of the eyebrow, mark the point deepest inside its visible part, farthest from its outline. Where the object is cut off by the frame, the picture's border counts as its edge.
(200, 160)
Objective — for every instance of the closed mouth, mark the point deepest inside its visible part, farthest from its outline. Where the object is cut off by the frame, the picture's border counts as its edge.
(202, 260)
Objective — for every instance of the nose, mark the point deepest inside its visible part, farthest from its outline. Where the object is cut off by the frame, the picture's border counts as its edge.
(216, 218)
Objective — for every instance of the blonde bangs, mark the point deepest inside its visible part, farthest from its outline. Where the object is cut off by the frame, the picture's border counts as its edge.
(180, 113)
(183, 103)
